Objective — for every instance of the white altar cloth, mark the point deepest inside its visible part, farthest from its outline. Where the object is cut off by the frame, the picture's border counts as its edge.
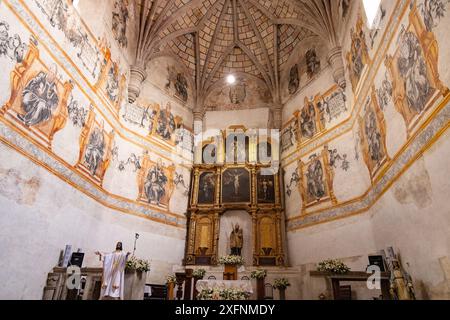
(245, 285)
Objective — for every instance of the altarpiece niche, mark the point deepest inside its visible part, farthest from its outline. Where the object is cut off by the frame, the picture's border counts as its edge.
(239, 183)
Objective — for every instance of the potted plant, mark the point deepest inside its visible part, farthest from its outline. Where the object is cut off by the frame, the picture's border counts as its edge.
(259, 275)
(197, 275)
(135, 278)
(281, 285)
(170, 283)
(333, 266)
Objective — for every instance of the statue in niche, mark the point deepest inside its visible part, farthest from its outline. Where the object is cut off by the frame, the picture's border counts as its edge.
(155, 184)
(95, 150)
(113, 273)
(312, 63)
(236, 240)
(294, 81)
(40, 99)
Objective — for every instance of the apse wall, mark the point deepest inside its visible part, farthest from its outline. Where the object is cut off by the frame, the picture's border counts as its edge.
(77, 160)
(364, 168)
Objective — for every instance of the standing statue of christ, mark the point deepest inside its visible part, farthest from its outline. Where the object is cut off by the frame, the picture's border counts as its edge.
(113, 273)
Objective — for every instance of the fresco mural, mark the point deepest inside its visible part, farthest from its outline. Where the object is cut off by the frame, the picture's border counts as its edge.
(373, 136)
(120, 16)
(62, 16)
(156, 183)
(177, 81)
(358, 56)
(312, 63)
(294, 79)
(38, 99)
(414, 68)
(316, 180)
(95, 149)
(308, 120)
(289, 135)
(11, 46)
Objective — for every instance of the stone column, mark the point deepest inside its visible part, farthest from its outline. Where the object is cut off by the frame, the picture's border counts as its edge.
(336, 61)
(138, 74)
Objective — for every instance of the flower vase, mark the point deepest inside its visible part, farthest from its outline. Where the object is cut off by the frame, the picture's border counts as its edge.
(195, 288)
(170, 291)
(134, 285)
(260, 288)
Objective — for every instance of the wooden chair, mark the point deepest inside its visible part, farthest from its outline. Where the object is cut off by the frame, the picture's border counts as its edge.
(345, 293)
(268, 292)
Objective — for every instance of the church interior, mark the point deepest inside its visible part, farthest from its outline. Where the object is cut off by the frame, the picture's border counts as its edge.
(224, 149)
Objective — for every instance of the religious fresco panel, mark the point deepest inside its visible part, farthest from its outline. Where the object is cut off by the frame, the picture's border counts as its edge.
(207, 188)
(413, 69)
(38, 98)
(95, 149)
(156, 182)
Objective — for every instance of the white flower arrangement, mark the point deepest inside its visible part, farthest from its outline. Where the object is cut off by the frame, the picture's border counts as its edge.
(171, 279)
(223, 294)
(282, 283)
(139, 265)
(231, 260)
(258, 274)
(333, 266)
(199, 273)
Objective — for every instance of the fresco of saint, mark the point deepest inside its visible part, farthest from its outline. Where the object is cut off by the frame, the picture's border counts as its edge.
(155, 184)
(166, 124)
(40, 99)
(315, 184)
(95, 150)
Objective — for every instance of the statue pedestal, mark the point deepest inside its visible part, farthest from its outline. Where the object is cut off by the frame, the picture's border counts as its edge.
(230, 272)
(134, 285)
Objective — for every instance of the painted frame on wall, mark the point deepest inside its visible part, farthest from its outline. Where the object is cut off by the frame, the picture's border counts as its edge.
(38, 99)
(412, 100)
(95, 149)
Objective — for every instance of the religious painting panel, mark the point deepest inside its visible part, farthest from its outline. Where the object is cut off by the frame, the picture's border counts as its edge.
(156, 182)
(358, 56)
(372, 134)
(207, 188)
(414, 70)
(95, 149)
(166, 124)
(312, 63)
(120, 17)
(294, 79)
(265, 188)
(332, 106)
(38, 99)
(236, 185)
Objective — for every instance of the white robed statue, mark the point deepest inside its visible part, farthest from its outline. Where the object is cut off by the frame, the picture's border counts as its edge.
(113, 273)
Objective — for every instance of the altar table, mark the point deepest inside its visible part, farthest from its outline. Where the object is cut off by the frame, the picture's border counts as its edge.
(245, 285)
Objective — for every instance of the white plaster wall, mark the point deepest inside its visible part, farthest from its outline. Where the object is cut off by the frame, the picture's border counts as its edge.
(40, 214)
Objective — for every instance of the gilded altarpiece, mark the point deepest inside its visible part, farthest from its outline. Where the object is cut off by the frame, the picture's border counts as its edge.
(38, 100)
(252, 187)
(414, 71)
